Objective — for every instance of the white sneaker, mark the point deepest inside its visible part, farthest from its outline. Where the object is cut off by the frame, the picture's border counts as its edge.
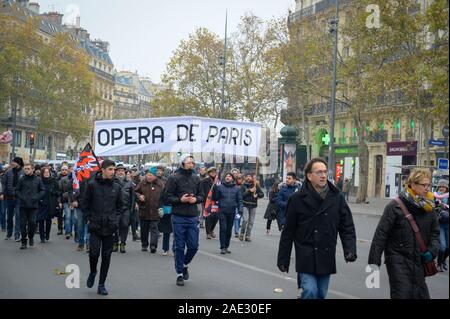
(164, 253)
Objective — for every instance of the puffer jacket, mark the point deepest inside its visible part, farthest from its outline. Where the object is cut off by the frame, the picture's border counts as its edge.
(180, 183)
(229, 197)
(8, 187)
(102, 205)
(395, 237)
(30, 191)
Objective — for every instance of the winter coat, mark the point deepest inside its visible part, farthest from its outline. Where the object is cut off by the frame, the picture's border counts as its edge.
(272, 209)
(148, 210)
(229, 197)
(102, 205)
(30, 191)
(312, 224)
(66, 189)
(205, 186)
(284, 194)
(8, 185)
(128, 195)
(49, 203)
(395, 237)
(180, 183)
(247, 196)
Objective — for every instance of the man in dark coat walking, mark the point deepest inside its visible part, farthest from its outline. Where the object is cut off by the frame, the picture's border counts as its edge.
(30, 191)
(103, 207)
(314, 217)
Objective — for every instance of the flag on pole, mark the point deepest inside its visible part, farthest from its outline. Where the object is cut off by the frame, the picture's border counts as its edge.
(86, 165)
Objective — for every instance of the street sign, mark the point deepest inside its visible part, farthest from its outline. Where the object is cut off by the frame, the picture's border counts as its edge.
(437, 142)
(442, 163)
(445, 131)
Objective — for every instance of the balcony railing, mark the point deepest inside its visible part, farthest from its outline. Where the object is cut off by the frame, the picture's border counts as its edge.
(396, 137)
(20, 121)
(377, 136)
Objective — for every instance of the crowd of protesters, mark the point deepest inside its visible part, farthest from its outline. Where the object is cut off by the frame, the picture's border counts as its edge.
(115, 201)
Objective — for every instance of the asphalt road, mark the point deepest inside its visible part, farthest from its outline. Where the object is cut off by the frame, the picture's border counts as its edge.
(249, 272)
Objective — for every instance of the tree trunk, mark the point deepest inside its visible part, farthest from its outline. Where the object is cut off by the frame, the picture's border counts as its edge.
(363, 154)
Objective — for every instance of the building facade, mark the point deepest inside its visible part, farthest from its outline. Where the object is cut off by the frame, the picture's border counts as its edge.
(58, 145)
(393, 143)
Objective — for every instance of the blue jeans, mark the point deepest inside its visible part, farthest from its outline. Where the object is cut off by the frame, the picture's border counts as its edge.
(2, 215)
(237, 225)
(13, 211)
(282, 217)
(313, 286)
(443, 237)
(82, 227)
(185, 231)
(69, 219)
(166, 242)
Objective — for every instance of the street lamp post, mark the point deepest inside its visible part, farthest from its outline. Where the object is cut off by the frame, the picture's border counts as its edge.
(223, 61)
(14, 119)
(334, 28)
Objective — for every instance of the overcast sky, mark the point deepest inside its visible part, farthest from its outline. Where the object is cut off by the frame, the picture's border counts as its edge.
(144, 33)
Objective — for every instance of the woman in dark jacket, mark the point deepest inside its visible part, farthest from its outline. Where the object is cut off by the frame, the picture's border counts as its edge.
(165, 223)
(229, 197)
(48, 205)
(395, 237)
(272, 209)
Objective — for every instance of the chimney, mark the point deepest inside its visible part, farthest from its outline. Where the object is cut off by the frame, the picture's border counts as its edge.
(34, 6)
(103, 45)
(78, 23)
(82, 33)
(54, 17)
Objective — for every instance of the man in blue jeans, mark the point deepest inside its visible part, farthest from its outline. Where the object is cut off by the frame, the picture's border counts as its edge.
(183, 193)
(314, 217)
(9, 184)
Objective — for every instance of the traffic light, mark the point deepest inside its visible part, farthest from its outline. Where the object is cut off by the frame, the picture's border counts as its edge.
(32, 138)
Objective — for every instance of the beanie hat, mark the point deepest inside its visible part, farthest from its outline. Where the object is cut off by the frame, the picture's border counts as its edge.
(211, 169)
(443, 183)
(184, 157)
(19, 161)
(152, 170)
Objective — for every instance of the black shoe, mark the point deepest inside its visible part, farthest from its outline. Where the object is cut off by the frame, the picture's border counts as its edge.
(47, 238)
(185, 273)
(102, 290)
(180, 281)
(115, 248)
(31, 243)
(227, 251)
(23, 246)
(122, 248)
(144, 249)
(91, 280)
(42, 241)
(60, 232)
(223, 251)
(153, 250)
(67, 236)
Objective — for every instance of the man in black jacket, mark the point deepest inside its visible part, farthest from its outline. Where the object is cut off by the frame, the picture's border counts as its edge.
(183, 193)
(128, 199)
(251, 192)
(314, 217)
(9, 183)
(102, 206)
(205, 186)
(30, 191)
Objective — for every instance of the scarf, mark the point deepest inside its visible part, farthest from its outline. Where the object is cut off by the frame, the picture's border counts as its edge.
(426, 203)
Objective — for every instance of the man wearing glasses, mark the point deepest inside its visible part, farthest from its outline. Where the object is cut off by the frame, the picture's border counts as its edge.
(314, 217)
(183, 193)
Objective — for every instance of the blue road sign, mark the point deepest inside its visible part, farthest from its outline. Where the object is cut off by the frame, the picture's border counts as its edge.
(442, 163)
(436, 142)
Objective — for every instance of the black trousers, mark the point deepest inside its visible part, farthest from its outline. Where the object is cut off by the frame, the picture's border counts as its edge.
(44, 228)
(27, 223)
(211, 222)
(226, 222)
(149, 227)
(269, 223)
(122, 232)
(105, 243)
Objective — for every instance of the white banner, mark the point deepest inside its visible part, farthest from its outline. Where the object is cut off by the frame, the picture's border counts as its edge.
(176, 134)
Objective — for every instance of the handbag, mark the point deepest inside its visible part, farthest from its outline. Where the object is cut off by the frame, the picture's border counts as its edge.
(429, 268)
